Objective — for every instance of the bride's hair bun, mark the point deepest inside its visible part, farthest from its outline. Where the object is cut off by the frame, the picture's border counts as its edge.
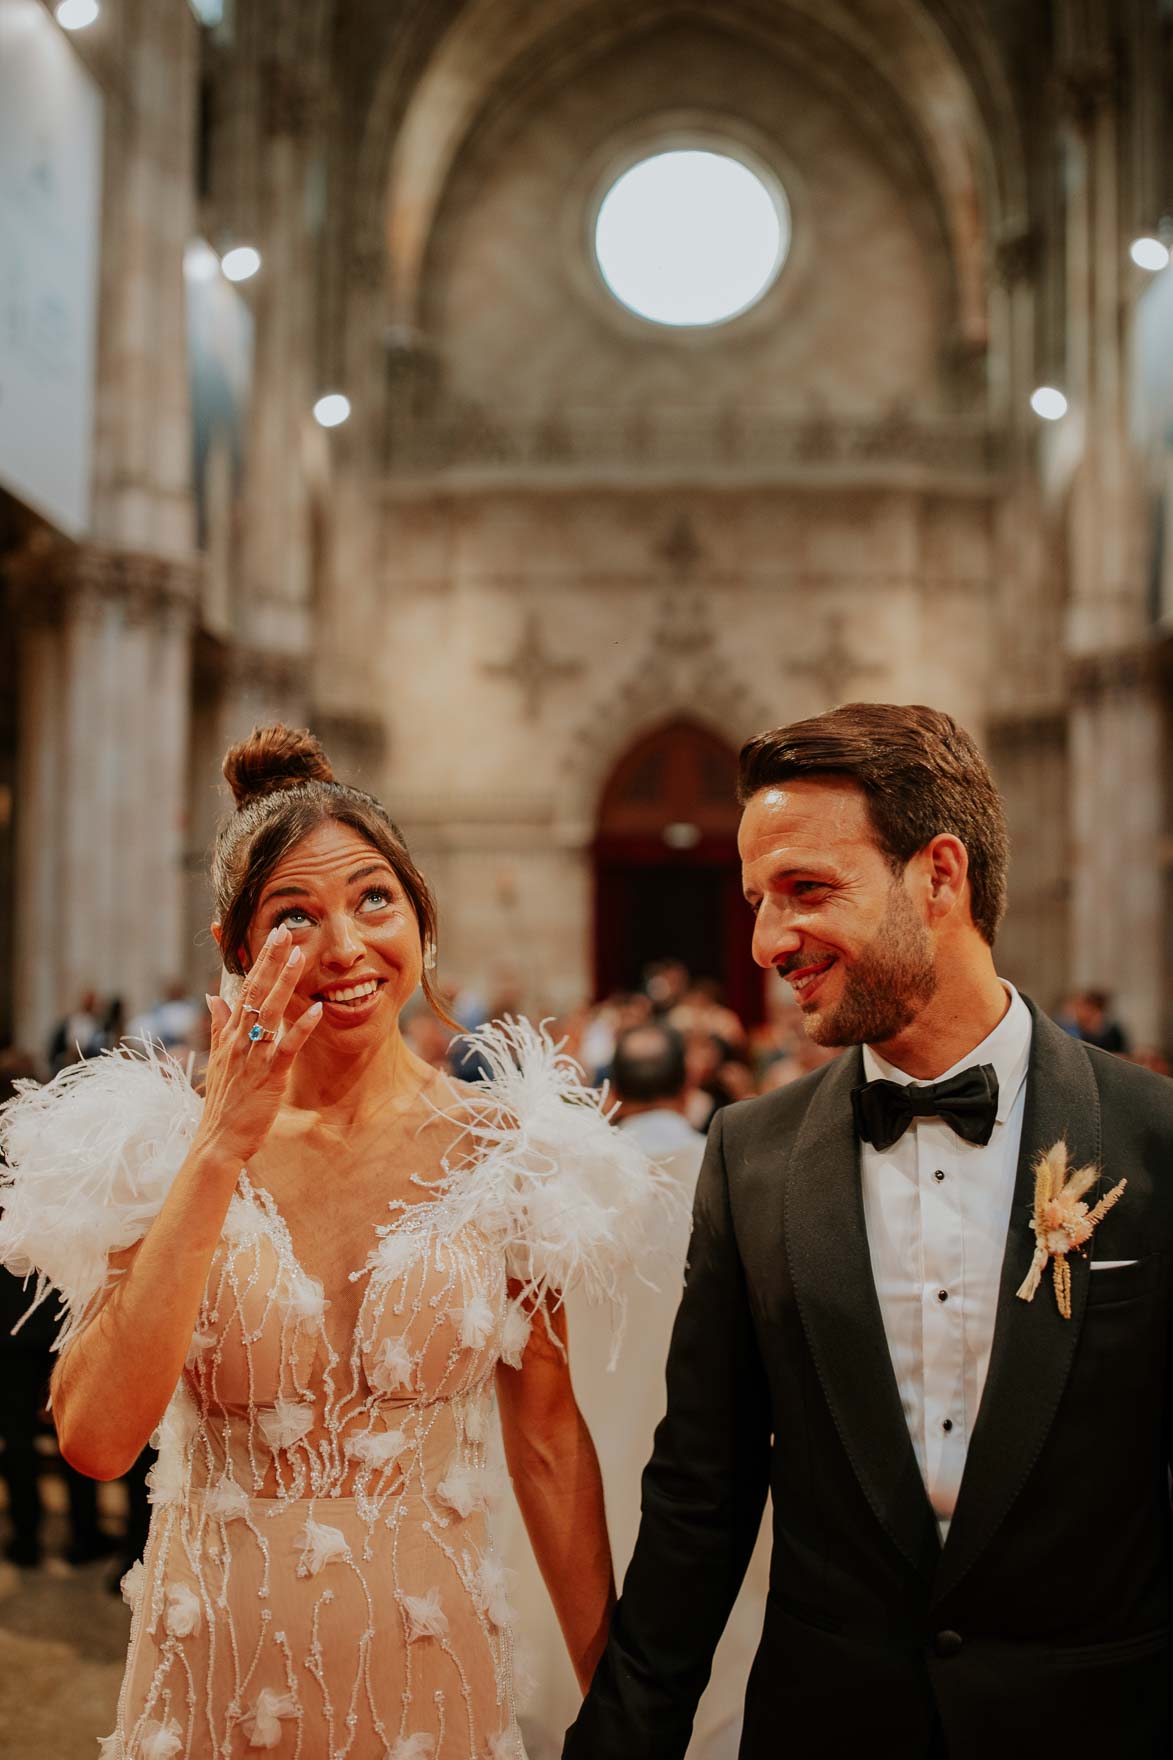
(274, 758)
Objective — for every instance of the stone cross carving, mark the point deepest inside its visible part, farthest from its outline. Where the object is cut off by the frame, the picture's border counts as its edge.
(532, 668)
(681, 549)
(835, 664)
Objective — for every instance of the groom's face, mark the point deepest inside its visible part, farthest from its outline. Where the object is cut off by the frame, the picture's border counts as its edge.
(832, 917)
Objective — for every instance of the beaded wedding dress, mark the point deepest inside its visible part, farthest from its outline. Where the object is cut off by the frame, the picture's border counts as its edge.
(320, 1578)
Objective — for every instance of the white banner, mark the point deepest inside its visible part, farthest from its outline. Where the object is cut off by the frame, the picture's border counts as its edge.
(50, 214)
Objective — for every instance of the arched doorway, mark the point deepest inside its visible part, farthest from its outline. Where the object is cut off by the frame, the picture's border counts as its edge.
(667, 877)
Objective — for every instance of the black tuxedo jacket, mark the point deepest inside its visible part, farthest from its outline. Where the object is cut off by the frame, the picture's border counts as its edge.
(1040, 1631)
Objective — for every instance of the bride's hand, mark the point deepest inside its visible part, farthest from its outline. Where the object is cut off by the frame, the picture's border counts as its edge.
(247, 1077)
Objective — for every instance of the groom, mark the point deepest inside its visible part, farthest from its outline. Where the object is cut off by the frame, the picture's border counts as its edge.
(971, 1532)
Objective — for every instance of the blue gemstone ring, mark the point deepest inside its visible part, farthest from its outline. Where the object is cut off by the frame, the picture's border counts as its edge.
(258, 1032)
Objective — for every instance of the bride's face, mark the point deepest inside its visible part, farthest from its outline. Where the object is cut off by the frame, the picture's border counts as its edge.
(346, 909)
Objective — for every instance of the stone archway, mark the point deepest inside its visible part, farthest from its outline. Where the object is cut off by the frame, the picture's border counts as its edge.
(666, 875)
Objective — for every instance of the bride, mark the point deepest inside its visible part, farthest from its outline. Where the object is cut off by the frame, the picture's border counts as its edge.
(310, 1283)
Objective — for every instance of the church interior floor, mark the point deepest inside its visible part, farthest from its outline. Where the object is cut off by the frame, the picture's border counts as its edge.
(63, 1642)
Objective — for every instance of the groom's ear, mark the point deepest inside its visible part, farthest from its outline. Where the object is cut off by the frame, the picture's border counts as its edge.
(946, 872)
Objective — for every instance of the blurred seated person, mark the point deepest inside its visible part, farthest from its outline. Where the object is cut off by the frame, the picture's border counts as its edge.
(1096, 1024)
(79, 1033)
(648, 1079)
(702, 1006)
(505, 996)
(666, 984)
(428, 1037)
(171, 1021)
(789, 1066)
(717, 1074)
(1149, 1057)
(609, 1020)
(623, 1408)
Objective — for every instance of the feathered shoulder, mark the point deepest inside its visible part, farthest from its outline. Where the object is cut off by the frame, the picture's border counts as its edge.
(89, 1158)
(573, 1200)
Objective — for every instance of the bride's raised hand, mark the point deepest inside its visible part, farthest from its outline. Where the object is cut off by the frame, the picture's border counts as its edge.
(248, 1070)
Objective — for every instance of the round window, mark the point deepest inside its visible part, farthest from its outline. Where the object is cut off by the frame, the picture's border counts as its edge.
(691, 237)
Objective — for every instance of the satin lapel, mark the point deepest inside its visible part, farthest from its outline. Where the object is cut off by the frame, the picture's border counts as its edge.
(1033, 1346)
(831, 1270)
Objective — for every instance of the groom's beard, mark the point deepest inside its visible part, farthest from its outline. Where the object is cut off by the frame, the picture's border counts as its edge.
(886, 986)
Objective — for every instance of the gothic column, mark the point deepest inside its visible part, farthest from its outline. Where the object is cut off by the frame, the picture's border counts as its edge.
(277, 608)
(142, 475)
(101, 797)
(1114, 724)
(1117, 767)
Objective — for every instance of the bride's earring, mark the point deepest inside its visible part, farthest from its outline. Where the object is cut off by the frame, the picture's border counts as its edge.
(429, 955)
(231, 985)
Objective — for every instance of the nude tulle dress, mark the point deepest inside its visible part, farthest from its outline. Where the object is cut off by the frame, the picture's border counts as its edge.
(320, 1578)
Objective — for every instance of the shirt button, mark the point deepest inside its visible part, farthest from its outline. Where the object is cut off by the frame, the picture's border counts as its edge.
(942, 1295)
(947, 1643)
(947, 1425)
(938, 1176)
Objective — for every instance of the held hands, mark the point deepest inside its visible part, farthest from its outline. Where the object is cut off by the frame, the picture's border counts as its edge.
(248, 1071)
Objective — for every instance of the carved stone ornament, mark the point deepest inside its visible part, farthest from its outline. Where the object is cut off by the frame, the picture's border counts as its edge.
(532, 668)
(835, 665)
(47, 580)
(1120, 671)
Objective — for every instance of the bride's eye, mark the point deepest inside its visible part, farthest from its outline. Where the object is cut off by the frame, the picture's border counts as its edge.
(289, 914)
(376, 898)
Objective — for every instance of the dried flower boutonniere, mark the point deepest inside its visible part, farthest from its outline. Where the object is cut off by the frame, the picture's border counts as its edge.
(1061, 1222)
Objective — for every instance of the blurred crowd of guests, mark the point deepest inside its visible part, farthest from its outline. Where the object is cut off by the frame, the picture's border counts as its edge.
(673, 1052)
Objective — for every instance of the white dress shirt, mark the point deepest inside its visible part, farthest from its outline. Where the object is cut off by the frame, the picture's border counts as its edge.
(937, 1211)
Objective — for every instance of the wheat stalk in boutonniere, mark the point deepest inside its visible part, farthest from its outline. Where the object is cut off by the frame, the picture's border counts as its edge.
(1061, 1221)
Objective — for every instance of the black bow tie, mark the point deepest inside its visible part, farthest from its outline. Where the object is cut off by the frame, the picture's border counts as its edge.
(967, 1102)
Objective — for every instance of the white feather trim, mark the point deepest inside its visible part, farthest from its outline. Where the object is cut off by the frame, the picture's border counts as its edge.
(425, 1616)
(417, 1747)
(183, 1615)
(262, 1725)
(110, 1747)
(285, 1423)
(572, 1201)
(90, 1158)
(321, 1545)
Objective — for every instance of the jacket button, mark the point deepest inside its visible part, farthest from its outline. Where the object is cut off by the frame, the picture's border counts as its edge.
(947, 1643)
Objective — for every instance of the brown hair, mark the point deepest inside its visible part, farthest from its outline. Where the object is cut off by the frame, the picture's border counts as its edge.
(922, 775)
(285, 789)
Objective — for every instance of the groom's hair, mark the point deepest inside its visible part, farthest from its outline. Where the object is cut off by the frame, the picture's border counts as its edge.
(922, 775)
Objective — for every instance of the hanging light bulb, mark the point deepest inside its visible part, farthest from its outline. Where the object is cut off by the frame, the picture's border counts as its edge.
(330, 411)
(241, 263)
(1048, 403)
(1149, 253)
(75, 15)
